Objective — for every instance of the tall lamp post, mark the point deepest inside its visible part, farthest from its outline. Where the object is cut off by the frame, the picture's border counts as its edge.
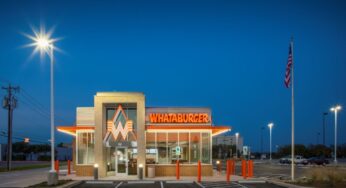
(236, 143)
(270, 125)
(44, 44)
(335, 109)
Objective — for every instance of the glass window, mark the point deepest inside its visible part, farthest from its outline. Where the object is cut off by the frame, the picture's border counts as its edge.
(184, 147)
(162, 147)
(171, 146)
(151, 148)
(85, 148)
(206, 148)
(195, 147)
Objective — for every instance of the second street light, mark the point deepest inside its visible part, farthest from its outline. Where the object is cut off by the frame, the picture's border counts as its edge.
(44, 44)
(236, 143)
(270, 125)
(335, 109)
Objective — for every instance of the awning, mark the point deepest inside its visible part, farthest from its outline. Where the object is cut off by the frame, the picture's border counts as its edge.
(71, 130)
(216, 130)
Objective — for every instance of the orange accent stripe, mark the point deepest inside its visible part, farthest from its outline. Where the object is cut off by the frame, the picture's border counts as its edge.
(215, 129)
(72, 129)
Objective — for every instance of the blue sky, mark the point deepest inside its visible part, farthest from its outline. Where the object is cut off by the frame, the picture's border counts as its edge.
(227, 55)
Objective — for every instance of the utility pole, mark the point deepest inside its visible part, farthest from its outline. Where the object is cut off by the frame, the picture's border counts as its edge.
(10, 103)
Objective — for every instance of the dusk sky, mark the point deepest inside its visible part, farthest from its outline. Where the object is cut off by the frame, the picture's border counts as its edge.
(230, 56)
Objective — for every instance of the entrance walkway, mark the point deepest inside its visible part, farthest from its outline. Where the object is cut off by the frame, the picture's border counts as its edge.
(213, 178)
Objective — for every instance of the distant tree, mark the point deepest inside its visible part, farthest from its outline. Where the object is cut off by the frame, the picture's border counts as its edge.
(60, 144)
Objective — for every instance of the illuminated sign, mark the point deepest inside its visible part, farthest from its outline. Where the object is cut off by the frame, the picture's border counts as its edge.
(119, 125)
(179, 118)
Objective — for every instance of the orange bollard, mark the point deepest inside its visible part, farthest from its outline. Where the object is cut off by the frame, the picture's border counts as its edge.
(228, 170)
(178, 170)
(57, 166)
(68, 167)
(251, 168)
(243, 168)
(199, 172)
(248, 174)
(233, 167)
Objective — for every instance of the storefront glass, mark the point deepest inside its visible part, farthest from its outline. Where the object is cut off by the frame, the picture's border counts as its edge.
(195, 140)
(206, 152)
(85, 148)
(171, 145)
(168, 147)
(184, 147)
(162, 148)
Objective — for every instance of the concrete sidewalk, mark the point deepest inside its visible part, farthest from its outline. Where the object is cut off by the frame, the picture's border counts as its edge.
(23, 178)
(214, 178)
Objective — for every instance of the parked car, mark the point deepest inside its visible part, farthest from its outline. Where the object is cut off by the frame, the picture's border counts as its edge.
(285, 160)
(298, 159)
(318, 160)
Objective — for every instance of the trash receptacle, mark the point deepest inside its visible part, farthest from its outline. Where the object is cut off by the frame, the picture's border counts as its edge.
(151, 171)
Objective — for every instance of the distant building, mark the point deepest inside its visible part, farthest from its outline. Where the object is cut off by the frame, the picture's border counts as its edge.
(63, 153)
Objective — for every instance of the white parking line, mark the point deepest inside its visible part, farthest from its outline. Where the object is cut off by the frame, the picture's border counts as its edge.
(118, 184)
(181, 181)
(99, 182)
(140, 182)
(200, 185)
(161, 184)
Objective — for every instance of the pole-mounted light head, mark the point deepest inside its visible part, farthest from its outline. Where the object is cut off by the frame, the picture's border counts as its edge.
(335, 108)
(42, 41)
(270, 125)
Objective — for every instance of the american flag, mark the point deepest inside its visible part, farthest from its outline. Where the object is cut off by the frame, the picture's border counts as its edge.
(288, 68)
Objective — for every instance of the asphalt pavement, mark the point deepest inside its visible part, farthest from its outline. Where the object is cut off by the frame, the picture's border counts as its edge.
(136, 184)
(172, 184)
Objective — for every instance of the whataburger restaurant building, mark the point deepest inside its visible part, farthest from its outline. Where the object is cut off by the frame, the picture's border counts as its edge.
(120, 134)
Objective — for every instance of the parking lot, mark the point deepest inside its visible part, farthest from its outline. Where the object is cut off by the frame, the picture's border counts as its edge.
(137, 184)
(171, 184)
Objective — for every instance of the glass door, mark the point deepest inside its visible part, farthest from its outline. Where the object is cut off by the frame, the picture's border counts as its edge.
(121, 161)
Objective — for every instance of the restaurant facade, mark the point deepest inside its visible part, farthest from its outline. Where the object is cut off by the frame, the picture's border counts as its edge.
(120, 134)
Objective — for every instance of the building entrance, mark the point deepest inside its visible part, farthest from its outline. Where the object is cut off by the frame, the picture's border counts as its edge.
(121, 161)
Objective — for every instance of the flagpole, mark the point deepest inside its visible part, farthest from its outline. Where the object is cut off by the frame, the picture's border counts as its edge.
(292, 144)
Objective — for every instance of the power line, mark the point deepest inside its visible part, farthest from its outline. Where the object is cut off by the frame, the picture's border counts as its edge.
(41, 139)
(21, 137)
(37, 106)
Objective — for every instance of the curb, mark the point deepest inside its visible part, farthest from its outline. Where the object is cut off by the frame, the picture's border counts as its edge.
(251, 181)
(71, 184)
(288, 185)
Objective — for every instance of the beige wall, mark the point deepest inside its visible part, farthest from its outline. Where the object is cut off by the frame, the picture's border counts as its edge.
(100, 99)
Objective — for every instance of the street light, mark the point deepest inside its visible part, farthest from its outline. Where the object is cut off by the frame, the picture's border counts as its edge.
(236, 143)
(270, 125)
(335, 109)
(43, 43)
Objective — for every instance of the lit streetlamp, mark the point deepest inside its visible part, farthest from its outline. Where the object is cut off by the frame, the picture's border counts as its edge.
(335, 109)
(236, 143)
(43, 43)
(270, 125)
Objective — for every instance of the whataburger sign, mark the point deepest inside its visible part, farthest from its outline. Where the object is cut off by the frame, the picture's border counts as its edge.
(179, 118)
